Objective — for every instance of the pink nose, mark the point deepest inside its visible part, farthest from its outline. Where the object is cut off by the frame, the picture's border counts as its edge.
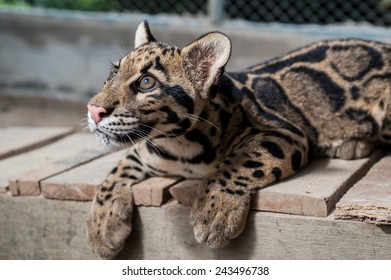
(96, 112)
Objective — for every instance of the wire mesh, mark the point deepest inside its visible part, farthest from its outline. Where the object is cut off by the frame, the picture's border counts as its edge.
(377, 12)
(181, 7)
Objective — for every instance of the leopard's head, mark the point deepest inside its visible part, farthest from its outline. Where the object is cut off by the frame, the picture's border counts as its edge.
(157, 90)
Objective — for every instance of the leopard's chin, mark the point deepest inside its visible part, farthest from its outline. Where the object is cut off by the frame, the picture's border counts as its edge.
(115, 141)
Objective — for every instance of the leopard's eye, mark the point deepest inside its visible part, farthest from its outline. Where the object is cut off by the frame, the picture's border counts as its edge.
(147, 83)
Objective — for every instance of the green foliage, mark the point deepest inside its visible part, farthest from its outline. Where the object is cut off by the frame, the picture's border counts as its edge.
(14, 3)
(84, 5)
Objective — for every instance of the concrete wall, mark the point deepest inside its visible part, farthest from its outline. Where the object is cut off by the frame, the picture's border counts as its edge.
(68, 54)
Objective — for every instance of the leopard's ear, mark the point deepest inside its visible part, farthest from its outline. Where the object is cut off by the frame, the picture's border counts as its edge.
(143, 35)
(204, 60)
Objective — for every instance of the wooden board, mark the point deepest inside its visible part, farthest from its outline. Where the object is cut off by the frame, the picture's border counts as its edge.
(38, 228)
(316, 189)
(16, 140)
(153, 191)
(80, 183)
(370, 199)
(23, 172)
(312, 192)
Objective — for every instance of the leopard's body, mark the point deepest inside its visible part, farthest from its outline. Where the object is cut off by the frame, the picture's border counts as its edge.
(239, 132)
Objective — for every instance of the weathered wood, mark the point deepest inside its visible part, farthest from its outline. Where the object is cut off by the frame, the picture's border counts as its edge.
(370, 199)
(38, 228)
(185, 191)
(16, 140)
(25, 171)
(80, 183)
(315, 190)
(153, 191)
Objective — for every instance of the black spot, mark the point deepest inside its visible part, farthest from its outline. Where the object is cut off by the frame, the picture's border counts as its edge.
(315, 55)
(159, 66)
(227, 174)
(273, 149)
(137, 169)
(146, 67)
(146, 112)
(355, 92)
(240, 184)
(107, 197)
(230, 191)
(113, 170)
(99, 201)
(252, 164)
(224, 118)
(134, 159)
(277, 173)
(172, 116)
(381, 105)
(179, 95)
(239, 192)
(258, 174)
(223, 182)
(208, 154)
(229, 90)
(296, 160)
(279, 135)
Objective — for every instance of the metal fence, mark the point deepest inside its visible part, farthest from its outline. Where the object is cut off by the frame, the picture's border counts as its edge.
(377, 12)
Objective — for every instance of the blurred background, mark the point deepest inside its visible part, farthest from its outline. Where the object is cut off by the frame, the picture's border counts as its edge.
(54, 55)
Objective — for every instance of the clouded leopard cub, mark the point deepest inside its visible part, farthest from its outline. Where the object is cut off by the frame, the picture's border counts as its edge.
(181, 115)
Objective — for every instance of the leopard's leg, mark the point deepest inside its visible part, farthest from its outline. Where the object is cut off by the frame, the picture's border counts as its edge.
(109, 222)
(220, 210)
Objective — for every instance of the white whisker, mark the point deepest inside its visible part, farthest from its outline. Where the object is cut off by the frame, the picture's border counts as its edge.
(198, 118)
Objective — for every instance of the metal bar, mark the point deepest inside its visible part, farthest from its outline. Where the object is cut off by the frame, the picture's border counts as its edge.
(216, 11)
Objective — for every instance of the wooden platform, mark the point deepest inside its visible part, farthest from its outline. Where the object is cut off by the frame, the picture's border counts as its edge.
(57, 164)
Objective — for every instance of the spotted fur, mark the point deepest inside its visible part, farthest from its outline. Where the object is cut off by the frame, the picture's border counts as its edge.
(239, 132)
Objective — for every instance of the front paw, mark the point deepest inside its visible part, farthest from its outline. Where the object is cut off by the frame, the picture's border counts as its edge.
(219, 215)
(109, 223)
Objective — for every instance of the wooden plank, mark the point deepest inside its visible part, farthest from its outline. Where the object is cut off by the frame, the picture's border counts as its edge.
(23, 172)
(49, 229)
(370, 199)
(316, 189)
(16, 140)
(153, 191)
(185, 192)
(80, 183)
(312, 192)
